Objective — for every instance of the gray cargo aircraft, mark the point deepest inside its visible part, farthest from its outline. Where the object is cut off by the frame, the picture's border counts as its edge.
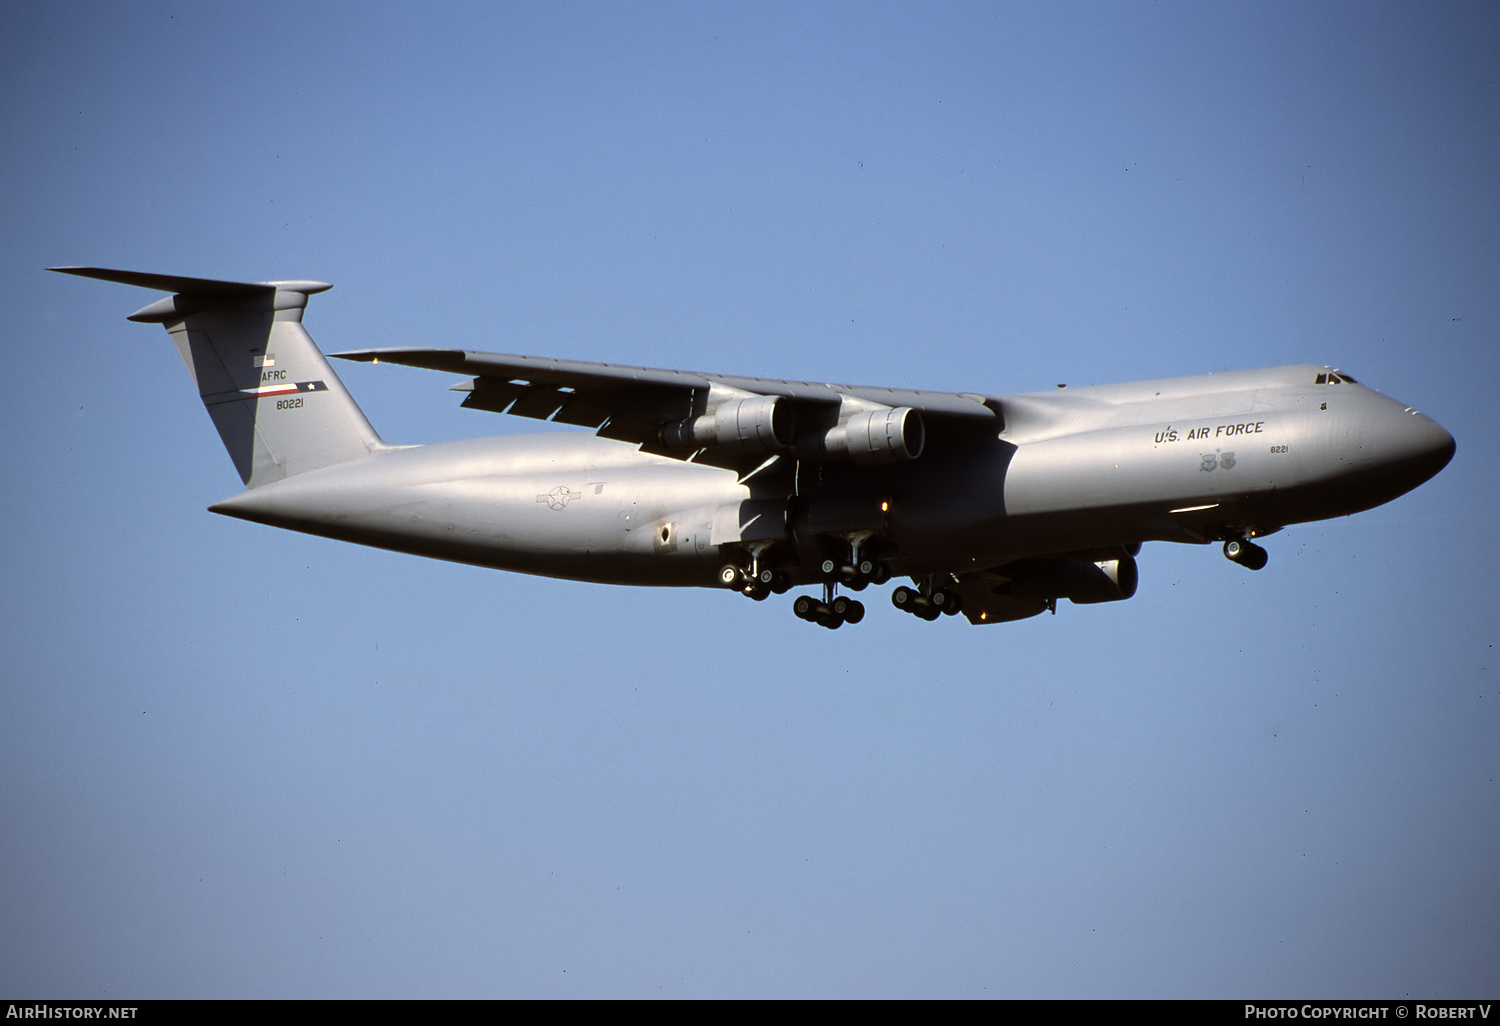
(995, 506)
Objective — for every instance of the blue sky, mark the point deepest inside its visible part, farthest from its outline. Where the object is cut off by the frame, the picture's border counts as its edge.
(237, 762)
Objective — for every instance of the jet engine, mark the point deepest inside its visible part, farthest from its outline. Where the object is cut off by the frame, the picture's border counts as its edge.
(758, 423)
(877, 436)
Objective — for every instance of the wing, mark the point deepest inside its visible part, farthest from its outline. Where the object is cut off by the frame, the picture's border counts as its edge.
(708, 417)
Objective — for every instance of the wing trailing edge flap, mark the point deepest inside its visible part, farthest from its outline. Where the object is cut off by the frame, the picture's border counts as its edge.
(625, 403)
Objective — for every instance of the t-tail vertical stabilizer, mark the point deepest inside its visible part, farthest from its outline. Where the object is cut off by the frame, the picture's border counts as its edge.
(278, 405)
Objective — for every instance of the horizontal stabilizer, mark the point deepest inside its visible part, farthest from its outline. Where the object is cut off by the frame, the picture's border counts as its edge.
(169, 282)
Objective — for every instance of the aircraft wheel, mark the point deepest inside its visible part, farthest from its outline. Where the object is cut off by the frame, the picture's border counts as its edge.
(930, 613)
(827, 568)
(880, 574)
(804, 607)
(756, 591)
(854, 612)
(1247, 554)
(832, 621)
(730, 575)
(903, 597)
(780, 582)
(947, 601)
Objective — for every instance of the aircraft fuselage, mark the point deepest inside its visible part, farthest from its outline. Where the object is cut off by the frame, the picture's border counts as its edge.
(1190, 459)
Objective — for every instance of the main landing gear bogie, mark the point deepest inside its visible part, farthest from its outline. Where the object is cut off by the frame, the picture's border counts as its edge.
(926, 606)
(856, 575)
(929, 602)
(755, 584)
(757, 577)
(833, 614)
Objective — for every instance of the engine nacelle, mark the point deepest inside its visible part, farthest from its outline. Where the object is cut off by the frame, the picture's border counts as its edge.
(879, 436)
(1079, 582)
(759, 423)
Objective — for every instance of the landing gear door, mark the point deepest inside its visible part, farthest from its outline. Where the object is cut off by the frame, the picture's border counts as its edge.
(750, 521)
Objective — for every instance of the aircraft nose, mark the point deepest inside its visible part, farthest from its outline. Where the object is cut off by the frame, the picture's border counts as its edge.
(1415, 444)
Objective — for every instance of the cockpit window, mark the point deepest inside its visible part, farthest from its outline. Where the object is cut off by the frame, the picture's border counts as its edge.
(1333, 378)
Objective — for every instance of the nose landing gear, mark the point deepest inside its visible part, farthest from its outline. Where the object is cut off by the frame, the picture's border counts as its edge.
(1246, 553)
